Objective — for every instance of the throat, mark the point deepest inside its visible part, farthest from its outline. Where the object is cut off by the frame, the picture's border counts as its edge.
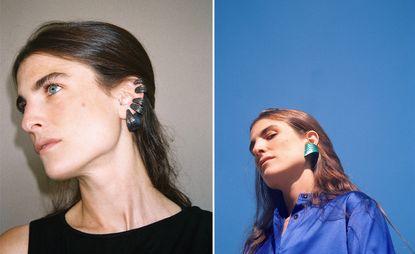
(120, 215)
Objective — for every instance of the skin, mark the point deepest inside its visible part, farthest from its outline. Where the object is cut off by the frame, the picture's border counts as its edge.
(279, 154)
(89, 141)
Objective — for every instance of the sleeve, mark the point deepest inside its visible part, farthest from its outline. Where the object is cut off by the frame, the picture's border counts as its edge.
(367, 231)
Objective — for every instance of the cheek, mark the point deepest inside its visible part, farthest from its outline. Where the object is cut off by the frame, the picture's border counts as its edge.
(88, 133)
(293, 151)
(89, 127)
(92, 125)
(97, 118)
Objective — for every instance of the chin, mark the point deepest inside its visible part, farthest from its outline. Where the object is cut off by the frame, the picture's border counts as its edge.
(58, 172)
(57, 176)
(271, 184)
(272, 178)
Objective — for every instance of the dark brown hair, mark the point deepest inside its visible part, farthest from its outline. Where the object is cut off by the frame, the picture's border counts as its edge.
(330, 179)
(114, 54)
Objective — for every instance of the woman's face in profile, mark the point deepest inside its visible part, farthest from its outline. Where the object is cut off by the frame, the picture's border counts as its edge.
(71, 121)
(278, 150)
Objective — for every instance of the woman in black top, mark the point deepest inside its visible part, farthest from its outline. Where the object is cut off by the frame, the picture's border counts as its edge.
(86, 92)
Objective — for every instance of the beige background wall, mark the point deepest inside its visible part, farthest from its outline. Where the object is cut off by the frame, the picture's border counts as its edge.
(177, 36)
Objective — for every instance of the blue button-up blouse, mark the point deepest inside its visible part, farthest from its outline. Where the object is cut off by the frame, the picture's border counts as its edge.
(350, 223)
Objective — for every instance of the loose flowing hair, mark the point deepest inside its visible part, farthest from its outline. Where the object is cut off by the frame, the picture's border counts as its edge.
(114, 54)
(329, 177)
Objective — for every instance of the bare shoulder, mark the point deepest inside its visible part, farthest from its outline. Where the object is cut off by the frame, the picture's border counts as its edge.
(15, 240)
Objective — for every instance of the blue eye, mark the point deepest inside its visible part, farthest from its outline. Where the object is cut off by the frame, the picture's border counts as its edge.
(53, 88)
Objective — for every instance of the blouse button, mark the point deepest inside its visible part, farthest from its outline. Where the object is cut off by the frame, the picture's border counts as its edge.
(305, 196)
(295, 216)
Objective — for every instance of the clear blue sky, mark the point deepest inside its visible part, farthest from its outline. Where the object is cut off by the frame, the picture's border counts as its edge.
(351, 64)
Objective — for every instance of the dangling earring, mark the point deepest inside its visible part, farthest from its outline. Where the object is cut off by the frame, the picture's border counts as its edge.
(310, 148)
(134, 120)
(311, 153)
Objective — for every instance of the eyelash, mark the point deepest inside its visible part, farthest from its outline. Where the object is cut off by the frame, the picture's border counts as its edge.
(21, 102)
(270, 136)
(50, 85)
(267, 136)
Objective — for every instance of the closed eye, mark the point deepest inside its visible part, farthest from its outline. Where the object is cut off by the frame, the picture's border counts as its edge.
(270, 136)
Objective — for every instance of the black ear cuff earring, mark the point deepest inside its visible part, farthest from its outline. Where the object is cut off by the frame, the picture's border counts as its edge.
(134, 120)
(138, 81)
(137, 105)
(141, 89)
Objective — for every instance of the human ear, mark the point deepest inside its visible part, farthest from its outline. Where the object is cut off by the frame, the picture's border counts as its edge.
(129, 98)
(312, 137)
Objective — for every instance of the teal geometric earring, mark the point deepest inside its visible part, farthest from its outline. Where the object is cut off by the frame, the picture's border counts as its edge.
(310, 148)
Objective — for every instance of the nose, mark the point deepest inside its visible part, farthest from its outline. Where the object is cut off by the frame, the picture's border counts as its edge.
(259, 148)
(32, 119)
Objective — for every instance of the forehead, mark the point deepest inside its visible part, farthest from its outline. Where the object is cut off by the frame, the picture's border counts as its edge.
(266, 123)
(39, 65)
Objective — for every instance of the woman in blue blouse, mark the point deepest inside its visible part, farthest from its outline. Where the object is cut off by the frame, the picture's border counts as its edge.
(305, 201)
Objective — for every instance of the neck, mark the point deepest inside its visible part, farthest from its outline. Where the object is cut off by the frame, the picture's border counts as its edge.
(118, 195)
(303, 184)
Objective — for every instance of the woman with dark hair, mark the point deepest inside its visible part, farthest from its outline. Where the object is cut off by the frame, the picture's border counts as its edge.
(305, 201)
(86, 92)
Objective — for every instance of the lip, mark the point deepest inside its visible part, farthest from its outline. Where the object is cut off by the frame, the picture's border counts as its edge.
(264, 159)
(45, 144)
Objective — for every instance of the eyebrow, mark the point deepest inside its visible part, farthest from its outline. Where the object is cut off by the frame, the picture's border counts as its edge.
(41, 82)
(252, 143)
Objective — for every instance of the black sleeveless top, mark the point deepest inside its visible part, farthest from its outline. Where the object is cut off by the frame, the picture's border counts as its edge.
(189, 231)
